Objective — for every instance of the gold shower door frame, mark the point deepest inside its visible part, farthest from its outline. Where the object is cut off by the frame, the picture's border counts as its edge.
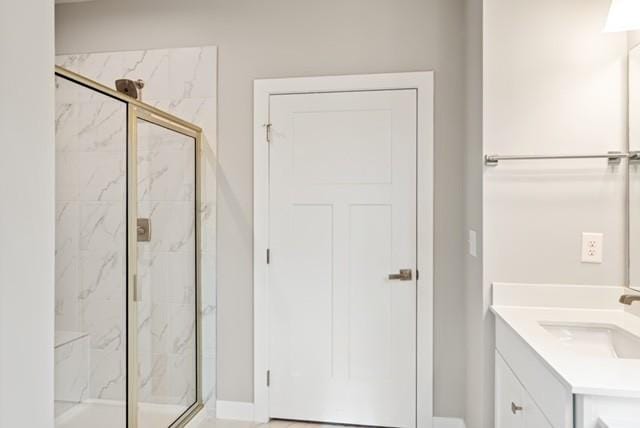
(136, 111)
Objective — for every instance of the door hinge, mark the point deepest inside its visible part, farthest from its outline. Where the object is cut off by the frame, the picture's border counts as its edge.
(417, 274)
(268, 132)
(268, 377)
(268, 256)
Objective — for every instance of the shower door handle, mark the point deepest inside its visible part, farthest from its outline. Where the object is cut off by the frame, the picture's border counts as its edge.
(403, 275)
(144, 230)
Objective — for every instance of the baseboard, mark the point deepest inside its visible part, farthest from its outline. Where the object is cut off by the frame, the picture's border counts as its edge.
(234, 410)
(448, 423)
(240, 411)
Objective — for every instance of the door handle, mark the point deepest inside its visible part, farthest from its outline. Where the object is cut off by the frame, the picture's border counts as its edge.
(403, 275)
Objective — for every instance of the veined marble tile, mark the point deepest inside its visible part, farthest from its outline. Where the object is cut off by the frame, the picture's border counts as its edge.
(192, 72)
(152, 66)
(166, 175)
(104, 320)
(181, 278)
(103, 67)
(66, 124)
(173, 225)
(67, 176)
(67, 271)
(182, 329)
(67, 233)
(102, 275)
(152, 274)
(182, 378)
(159, 378)
(102, 176)
(66, 92)
(102, 125)
(102, 226)
(72, 370)
(107, 375)
(145, 378)
(160, 328)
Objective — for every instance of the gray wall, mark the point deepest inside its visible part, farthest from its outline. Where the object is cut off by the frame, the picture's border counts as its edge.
(553, 82)
(281, 38)
(27, 214)
(473, 217)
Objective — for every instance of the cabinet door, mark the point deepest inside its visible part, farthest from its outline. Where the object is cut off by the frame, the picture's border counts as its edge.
(533, 417)
(509, 397)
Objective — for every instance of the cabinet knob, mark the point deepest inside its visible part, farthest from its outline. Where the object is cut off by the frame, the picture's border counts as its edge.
(515, 408)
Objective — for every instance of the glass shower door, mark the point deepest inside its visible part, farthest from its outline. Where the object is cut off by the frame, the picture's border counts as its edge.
(166, 293)
(90, 258)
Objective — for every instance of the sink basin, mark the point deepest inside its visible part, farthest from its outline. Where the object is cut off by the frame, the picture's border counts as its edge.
(596, 340)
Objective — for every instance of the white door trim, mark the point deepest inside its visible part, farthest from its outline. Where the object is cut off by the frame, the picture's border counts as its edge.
(423, 82)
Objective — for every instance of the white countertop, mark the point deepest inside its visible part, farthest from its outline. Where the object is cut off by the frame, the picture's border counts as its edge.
(582, 374)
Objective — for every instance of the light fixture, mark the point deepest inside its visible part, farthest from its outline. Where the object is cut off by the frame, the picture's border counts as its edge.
(624, 15)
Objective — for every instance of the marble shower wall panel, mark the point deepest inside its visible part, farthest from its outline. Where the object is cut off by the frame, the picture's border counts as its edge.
(91, 136)
(72, 370)
(183, 82)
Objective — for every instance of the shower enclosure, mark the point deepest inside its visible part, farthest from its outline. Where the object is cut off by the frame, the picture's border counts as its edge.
(127, 345)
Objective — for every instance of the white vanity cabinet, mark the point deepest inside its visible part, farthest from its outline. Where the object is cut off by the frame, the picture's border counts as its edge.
(565, 357)
(528, 394)
(514, 406)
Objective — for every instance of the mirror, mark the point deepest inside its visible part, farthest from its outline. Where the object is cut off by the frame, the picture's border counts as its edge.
(634, 168)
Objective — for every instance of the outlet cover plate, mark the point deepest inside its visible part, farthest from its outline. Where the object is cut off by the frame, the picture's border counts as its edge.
(592, 247)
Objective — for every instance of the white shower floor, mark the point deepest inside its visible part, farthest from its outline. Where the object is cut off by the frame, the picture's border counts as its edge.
(109, 414)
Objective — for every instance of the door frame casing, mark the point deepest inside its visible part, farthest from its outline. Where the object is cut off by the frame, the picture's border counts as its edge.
(423, 83)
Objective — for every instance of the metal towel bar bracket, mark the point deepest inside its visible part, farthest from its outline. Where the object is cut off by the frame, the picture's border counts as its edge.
(613, 158)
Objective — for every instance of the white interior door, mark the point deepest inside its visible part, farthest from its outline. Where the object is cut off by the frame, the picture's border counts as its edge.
(342, 218)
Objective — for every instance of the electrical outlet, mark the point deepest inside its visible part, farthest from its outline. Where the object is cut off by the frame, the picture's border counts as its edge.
(592, 247)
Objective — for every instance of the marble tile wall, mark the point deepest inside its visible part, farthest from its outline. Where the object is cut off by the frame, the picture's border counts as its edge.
(183, 82)
(91, 136)
(71, 355)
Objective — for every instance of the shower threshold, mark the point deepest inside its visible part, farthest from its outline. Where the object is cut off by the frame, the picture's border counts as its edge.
(111, 414)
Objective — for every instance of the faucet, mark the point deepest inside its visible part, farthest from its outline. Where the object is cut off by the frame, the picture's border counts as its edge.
(628, 299)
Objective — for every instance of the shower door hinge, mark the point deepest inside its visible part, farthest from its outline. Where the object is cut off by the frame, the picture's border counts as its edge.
(268, 256)
(268, 131)
(268, 377)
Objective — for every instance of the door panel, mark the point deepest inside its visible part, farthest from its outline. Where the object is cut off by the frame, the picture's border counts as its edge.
(533, 416)
(342, 218)
(166, 303)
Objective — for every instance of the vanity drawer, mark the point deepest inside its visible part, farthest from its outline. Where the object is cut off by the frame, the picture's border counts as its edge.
(514, 406)
(552, 397)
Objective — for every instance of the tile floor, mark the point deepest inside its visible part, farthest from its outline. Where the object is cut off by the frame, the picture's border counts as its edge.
(103, 414)
(219, 423)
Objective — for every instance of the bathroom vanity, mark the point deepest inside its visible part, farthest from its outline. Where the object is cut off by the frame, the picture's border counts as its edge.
(565, 356)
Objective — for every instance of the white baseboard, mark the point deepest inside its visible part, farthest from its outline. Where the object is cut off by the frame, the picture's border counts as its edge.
(234, 410)
(240, 411)
(448, 423)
